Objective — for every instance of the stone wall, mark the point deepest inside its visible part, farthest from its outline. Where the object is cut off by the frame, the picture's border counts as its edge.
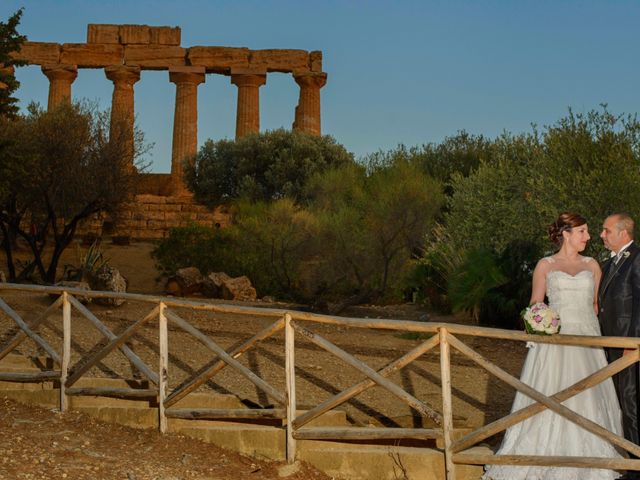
(150, 217)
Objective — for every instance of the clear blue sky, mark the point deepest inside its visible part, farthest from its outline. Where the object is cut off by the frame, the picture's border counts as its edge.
(408, 72)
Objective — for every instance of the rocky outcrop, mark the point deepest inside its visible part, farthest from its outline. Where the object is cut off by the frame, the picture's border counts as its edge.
(212, 284)
(189, 281)
(77, 285)
(186, 281)
(109, 279)
(239, 288)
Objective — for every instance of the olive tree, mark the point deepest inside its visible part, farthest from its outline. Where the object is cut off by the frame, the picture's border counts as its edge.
(60, 167)
(589, 163)
(261, 167)
(373, 222)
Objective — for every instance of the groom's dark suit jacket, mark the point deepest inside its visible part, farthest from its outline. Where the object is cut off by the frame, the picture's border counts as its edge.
(619, 314)
(619, 295)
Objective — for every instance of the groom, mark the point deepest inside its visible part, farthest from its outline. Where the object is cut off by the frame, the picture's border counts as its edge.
(619, 304)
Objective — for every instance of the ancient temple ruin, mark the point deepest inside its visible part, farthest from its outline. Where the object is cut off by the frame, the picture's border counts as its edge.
(123, 51)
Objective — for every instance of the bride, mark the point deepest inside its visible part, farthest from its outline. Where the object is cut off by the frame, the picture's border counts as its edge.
(570, 281)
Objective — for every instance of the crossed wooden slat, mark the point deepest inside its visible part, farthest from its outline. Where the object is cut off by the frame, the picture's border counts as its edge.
(226, 358)
(27, 331)
(375, 377)
(543, 402)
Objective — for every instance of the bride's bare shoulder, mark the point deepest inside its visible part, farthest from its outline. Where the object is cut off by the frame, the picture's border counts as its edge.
(545, 264)
(591, 264)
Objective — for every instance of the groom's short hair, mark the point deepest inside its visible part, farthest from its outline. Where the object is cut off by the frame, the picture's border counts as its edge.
(625, 222)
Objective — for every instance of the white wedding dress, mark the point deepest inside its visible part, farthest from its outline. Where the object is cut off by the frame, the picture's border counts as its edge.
(551, 368)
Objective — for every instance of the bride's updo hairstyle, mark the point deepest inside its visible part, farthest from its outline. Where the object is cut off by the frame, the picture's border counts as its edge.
(564, 223)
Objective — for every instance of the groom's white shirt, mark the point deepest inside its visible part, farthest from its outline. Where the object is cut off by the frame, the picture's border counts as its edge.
(619, 252)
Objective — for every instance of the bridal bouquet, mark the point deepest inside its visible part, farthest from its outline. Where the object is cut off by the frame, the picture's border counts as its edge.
(540, 319)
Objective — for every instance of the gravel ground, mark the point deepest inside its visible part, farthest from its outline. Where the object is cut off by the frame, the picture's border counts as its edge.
(38, 443)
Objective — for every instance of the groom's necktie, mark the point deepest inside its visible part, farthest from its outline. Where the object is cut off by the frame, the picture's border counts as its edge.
(613, 266)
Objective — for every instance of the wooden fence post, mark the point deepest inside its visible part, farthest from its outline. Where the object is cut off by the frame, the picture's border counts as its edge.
(447, 410)
(290, 375)
(66, 351)
(163, 367)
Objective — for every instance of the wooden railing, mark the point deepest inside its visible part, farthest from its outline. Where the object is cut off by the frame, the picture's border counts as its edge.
(294, 323)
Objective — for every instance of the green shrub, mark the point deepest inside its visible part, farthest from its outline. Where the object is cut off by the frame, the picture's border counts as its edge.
(261, 167)
(502, 305)
(472, 281)
(585, 162)
(194, 246)
(275, 246)
(372, 224)
(87, 265)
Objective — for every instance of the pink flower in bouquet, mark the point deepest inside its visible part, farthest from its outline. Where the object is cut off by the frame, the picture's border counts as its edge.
(541, 319)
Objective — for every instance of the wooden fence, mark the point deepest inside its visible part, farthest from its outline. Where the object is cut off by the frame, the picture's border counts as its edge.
(443, 335)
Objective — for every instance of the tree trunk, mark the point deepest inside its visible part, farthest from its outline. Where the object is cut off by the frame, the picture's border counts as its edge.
(61, 243)
(8, 250)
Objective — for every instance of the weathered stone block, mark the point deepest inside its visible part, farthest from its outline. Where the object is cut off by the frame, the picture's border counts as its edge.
(156, 207)
(180, 200)
(279, 60)
(39, 53)
(144, 198)
(101, 33)
(155, 215)
(144, 234)
(212, 284)
(239, 288)
(77, 285)
(155, 57)
(315, 61)
(172, 207)
(165, 35)
(156, 224)
(135, 34)
(186, 281)
(198, 208)
(128, 224)
(218, 59)
(111, 280)
(94, 55)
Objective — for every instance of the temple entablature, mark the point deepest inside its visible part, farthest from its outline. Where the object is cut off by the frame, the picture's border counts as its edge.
(158, 48)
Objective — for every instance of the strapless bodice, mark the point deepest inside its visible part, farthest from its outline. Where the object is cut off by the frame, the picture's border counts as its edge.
(572, 297)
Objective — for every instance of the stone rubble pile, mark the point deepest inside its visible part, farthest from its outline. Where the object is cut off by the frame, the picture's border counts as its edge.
(190, 281)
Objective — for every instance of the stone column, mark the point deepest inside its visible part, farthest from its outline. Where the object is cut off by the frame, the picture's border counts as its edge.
(185, 122)
(307, 117)
(248, 113)
(60, 79)
(122, 113)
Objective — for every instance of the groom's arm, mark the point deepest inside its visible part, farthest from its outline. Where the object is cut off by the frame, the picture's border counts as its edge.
(634, 323)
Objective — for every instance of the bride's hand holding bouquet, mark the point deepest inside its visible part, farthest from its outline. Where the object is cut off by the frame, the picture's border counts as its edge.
(540, 319)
